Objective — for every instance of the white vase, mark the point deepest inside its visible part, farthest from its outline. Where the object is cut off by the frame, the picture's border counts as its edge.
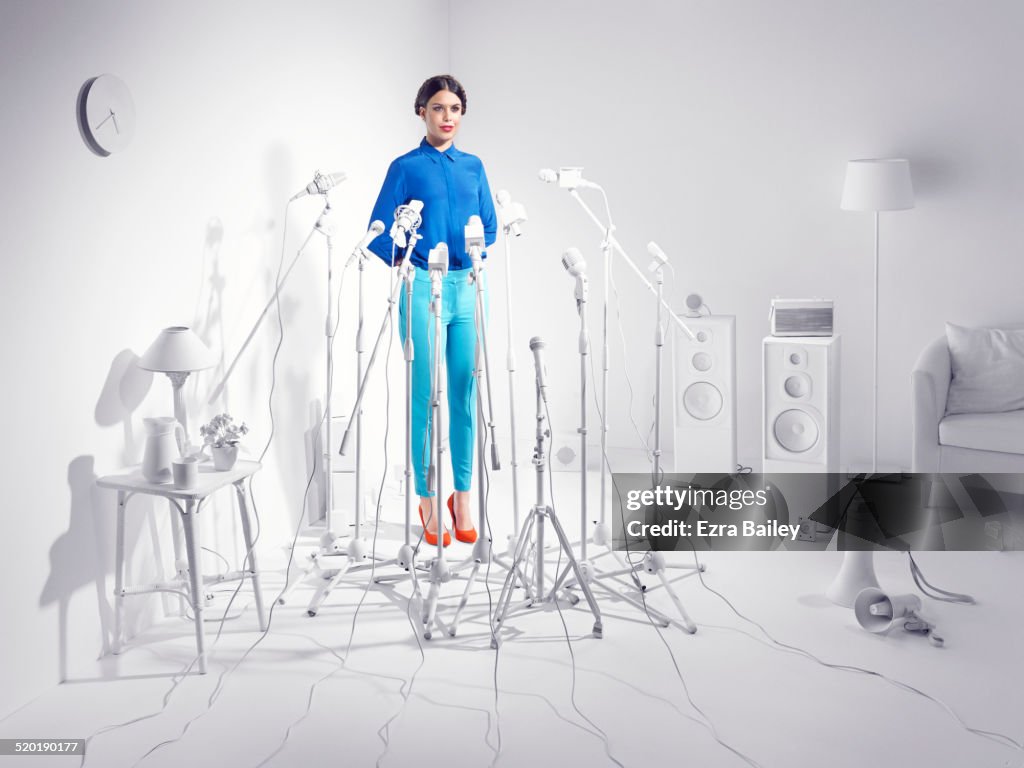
(224, 457)
(164, 437)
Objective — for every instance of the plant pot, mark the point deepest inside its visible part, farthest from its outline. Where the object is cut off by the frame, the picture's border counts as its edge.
(224, 457)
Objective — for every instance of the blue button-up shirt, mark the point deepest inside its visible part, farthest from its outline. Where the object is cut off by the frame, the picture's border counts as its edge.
(452, 186)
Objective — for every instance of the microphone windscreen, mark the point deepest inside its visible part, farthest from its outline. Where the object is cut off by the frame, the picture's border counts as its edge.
(377, 226)
(536, 343)
(504, 198)
(547, 175)
(574, 262)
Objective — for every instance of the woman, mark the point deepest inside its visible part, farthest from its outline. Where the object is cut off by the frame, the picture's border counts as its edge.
(452, 186)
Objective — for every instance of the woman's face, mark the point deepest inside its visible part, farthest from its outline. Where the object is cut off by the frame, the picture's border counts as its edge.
(441, 116)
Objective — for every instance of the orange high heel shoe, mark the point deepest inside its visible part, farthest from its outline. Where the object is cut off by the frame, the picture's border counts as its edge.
(431, 538)
(466, 535)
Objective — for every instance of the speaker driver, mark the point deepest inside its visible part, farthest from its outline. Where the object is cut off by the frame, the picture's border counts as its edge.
(702, 400)
(701, 362)
(798, 385)
(796, 431)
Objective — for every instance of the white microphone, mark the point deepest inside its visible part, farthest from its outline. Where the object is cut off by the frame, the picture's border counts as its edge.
(660, 259)
(437, 260)
(576, 266)
(376, 228)
(407, 218)
(536, 345)
(321, 184)
(474, 234)
(567, 178)
(512, 214)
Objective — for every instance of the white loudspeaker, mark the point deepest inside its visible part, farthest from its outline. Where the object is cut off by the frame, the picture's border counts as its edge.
(856, 576)
(877, 611)
(800, 399)
(704, 395)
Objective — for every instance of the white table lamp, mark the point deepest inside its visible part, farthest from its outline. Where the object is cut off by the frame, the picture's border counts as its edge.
(871, 185)
(177, 351)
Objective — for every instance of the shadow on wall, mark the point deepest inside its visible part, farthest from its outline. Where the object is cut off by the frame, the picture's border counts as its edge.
(79, 557)
(208, 316)
(123, 392)
(292, 465)
(84, 554)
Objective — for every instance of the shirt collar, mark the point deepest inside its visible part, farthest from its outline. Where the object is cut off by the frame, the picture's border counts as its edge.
(451, 153)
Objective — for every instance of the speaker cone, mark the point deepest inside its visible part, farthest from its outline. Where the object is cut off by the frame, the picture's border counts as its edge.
(702, 400)
(701, 362)
(796, 431)
(797, 385)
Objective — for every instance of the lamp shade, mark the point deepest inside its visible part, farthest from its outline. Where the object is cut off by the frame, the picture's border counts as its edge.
(877, 185)
(177, 349)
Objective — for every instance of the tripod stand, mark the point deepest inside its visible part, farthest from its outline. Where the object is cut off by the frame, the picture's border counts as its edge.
(333, 566)
(534, 524)
(482, 549)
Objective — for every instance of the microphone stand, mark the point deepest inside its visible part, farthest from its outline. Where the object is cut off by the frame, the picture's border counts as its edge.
(482, 549)
(439, 570)
(339, 563)
(511, 365)
(653, 562)
(534, 522)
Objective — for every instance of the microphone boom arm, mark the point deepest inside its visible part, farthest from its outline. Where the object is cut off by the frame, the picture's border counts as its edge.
(615, 244)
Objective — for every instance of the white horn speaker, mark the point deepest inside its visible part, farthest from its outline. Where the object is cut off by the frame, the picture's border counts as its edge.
(876, 611)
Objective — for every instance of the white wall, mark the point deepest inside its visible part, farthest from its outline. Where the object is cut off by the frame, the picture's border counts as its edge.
(237, 105)
(721, 130)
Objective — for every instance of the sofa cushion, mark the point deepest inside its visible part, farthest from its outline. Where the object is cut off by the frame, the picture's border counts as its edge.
(1002, 432)
(987, 366)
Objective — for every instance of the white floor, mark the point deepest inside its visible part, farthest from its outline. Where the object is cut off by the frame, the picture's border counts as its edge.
(660, 697)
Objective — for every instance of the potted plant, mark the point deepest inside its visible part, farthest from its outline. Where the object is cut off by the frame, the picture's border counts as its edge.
(223, 435)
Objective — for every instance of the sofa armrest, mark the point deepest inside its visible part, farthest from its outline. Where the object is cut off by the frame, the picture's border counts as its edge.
(929, 386)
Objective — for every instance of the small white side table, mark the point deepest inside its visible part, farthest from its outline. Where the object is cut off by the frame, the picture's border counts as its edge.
(130, 482)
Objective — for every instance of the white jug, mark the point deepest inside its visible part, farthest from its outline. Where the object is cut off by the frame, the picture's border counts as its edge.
(161, 448)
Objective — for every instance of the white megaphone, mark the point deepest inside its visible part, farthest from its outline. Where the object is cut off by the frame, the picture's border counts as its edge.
(877, 612)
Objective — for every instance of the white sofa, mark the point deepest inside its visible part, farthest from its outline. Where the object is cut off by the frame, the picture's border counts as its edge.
(966, 442)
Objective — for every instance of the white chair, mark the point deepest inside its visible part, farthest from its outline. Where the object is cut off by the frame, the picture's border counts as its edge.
(967, 442)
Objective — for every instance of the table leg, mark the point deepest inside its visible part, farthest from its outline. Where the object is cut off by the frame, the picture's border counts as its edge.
(243, 509)
(195, 577)
(119, 574)
(179, 561)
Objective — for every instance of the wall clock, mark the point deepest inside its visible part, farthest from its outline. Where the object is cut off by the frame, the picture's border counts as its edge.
(106, 115)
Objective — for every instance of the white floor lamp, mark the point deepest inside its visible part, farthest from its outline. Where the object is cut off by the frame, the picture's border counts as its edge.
(871, 185)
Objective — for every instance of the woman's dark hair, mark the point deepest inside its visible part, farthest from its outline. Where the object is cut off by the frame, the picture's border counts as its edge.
(439, 83)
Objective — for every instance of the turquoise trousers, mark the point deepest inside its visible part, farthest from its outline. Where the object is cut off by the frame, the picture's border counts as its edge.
(458, 340)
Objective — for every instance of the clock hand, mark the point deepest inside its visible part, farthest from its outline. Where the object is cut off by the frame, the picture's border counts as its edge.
(116, 128)
(108, 117)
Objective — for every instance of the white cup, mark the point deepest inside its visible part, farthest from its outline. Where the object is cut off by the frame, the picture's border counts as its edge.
(186, 472)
